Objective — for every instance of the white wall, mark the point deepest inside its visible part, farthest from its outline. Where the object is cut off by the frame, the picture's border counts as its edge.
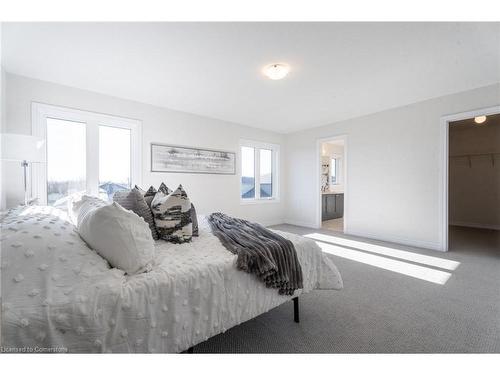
(2, 121)
(393, 161)
(208, 192)
(474, 190)
(393, 169)
(2, 179)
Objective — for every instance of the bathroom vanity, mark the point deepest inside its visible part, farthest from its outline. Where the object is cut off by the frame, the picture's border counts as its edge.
(332, 206)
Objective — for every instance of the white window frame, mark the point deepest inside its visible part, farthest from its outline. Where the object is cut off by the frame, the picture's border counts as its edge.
(275, 148)
(41, 112)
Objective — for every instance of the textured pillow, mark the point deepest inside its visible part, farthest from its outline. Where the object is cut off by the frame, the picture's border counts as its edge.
(172, 215)
(118, 235)
(140, 190)
(83, 206)
(133, 200)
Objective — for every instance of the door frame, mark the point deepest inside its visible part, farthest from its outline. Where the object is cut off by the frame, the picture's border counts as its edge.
(317, 185)
(444, 170)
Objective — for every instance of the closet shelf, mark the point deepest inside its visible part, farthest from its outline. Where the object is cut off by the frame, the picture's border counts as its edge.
(470, 156)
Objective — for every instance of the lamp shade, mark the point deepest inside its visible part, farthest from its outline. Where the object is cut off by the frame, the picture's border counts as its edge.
(19, 147)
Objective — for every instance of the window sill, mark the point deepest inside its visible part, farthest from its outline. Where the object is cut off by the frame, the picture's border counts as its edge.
(244, 202)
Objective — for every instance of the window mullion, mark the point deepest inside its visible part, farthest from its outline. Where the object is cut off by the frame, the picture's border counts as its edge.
(274, 180)
(257, 173)
(135, 155)
(92, 158)
(275, 173)
(39, 170)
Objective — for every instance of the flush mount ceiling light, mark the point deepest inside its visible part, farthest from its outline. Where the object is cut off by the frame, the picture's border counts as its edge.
(479, 119)
(276, 71)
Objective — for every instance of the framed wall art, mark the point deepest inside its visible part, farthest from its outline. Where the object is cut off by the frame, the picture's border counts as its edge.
(181, 159)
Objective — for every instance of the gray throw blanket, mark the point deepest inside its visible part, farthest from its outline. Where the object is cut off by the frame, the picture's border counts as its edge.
(265, 254)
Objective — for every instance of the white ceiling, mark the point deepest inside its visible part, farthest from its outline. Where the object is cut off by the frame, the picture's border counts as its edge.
(339, 70)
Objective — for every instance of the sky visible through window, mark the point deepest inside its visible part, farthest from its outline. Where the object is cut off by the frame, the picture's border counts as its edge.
(266, 179)
(247, 162)
(266, 165)
(114, 155)
(66, 150)
(66, 159)
(248, 172)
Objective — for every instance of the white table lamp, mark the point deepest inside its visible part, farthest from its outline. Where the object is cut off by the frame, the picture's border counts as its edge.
(24, 148)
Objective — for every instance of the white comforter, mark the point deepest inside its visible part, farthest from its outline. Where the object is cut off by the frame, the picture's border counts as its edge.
(58, 293)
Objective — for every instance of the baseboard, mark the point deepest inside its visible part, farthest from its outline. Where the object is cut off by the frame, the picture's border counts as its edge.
(398, 240)
(270, 223)
(301, 223)
(475, 225)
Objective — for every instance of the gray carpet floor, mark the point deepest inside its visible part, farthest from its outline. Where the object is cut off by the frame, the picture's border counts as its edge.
(380, 311)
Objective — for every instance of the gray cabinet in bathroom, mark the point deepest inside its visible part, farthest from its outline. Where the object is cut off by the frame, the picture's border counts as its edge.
(332, 206)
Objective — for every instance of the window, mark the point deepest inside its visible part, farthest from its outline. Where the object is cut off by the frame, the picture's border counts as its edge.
(336, 168)
(266, 173)
(114, 161)
(66, 163)
(333, 171)
(247, 172)
(259, 171)
(87, 153)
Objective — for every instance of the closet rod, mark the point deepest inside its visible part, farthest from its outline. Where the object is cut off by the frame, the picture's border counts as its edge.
(469, 155)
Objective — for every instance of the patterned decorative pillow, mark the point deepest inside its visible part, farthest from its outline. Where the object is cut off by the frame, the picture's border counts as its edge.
(164, 189)
(150, 192)
(148, 197)
(194, 220)
(134, 201)
(172, 214)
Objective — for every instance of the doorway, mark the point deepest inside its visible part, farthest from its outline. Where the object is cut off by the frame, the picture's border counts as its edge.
(332, 164)
(472, 179)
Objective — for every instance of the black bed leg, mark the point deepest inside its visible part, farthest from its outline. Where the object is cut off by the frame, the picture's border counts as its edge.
(296, 310)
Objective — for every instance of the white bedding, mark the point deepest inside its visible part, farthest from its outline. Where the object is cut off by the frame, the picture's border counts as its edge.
(56, 292)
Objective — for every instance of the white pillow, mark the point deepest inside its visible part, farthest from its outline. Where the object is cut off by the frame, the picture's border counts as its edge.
(118, 235)
(82, 205)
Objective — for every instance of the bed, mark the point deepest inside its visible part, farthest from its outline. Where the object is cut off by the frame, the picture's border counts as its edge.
(60, 295)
